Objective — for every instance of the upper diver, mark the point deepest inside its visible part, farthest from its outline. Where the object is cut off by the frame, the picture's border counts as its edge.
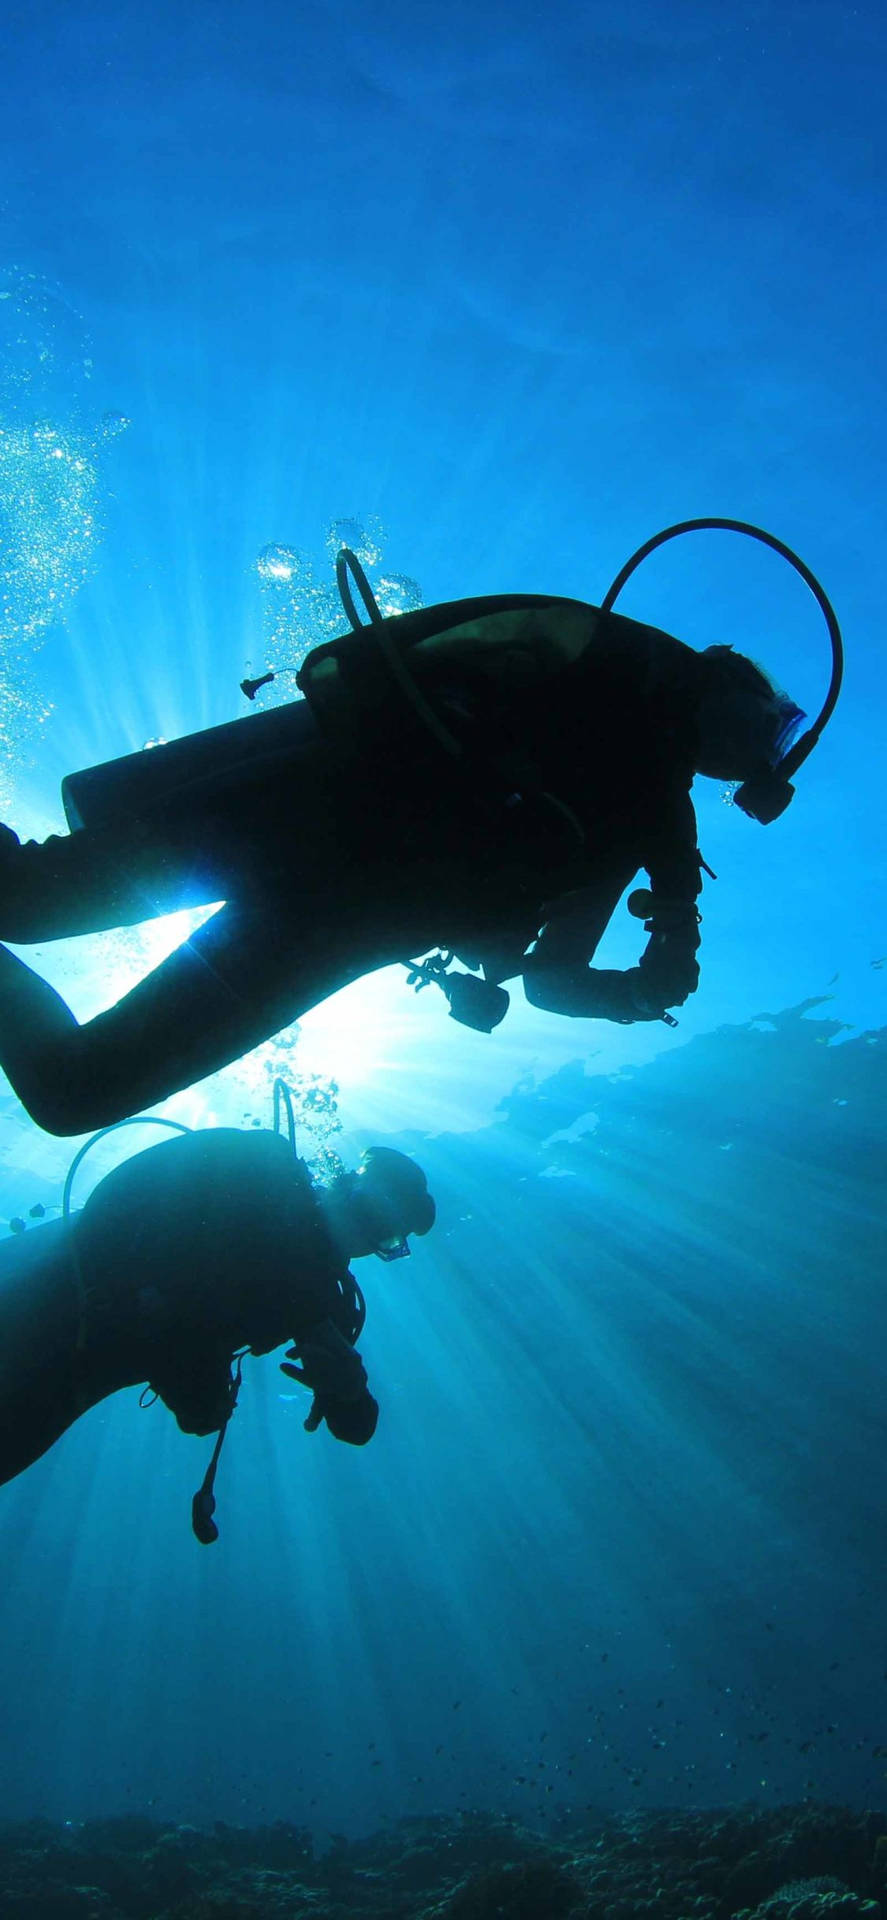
(485, 776)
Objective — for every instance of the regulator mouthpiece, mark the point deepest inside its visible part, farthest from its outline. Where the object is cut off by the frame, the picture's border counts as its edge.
(764, 799)
(203, 1507)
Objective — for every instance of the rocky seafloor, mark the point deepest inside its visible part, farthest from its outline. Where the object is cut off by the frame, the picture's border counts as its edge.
(741, 1863)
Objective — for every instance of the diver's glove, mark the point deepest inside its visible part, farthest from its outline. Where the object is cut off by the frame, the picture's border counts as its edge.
(337, 1378)
(669, 969)
(668, 965)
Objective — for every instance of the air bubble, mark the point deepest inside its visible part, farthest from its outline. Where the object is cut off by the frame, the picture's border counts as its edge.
(277, 566)
(397, 593)
(364, 538)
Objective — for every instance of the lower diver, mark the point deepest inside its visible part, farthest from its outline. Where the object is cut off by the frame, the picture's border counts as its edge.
(185, 1257)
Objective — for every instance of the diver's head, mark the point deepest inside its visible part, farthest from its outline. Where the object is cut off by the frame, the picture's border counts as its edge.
(744, 725)
(374, 1209)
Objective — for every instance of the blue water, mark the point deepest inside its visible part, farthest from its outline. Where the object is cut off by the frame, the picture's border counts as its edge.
(501, 296)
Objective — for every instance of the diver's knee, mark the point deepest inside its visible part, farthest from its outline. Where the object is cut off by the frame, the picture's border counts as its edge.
(61, 1110)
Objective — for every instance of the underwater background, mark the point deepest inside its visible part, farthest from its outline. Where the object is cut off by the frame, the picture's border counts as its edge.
(489, 297)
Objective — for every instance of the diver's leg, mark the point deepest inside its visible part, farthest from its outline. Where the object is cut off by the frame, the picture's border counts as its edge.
(33, 1419)
(243, 976)
(96, 878)
(211, 840)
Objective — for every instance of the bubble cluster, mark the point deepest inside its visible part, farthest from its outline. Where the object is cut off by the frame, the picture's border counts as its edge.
(278, 566)
(300, 610)
(45, 355)
(48, 513)
(50, 493)
(315, 1096)
(397, 593)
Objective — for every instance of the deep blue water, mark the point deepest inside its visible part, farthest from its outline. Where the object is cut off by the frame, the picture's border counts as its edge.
(501, 297)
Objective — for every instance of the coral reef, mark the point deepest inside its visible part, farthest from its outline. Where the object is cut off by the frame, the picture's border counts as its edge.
(741, 1863)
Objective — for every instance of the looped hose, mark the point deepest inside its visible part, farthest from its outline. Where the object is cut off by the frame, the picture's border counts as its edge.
(807, 742)
(391, 654)
(140, 1120)
(347, 562)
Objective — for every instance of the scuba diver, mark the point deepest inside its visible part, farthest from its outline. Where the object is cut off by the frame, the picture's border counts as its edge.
(484, 778)
(186, 1257)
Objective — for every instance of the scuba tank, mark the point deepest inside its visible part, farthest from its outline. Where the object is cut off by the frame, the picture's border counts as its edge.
(116, 789)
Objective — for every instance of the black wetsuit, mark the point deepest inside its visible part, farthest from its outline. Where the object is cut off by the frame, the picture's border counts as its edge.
(363, 847)
(199, 1247)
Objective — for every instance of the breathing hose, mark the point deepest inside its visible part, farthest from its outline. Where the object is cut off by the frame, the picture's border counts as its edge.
(808, 740)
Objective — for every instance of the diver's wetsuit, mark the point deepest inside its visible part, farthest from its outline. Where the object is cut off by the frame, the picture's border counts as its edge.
(350, 853)
(188, 1252)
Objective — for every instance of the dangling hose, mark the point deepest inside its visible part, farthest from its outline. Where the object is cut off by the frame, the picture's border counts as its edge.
(203, 1505)
(283, 1097)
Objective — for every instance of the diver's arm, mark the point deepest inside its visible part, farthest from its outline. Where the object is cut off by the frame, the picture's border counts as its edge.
(668, 966)
(592, 993)
(557, 974)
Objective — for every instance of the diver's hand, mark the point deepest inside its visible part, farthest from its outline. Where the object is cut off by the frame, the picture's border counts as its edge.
(350, 1416)
(668, 964)
(668, 968)
(351, 1420)
(336, 1377)
(328, 1365)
